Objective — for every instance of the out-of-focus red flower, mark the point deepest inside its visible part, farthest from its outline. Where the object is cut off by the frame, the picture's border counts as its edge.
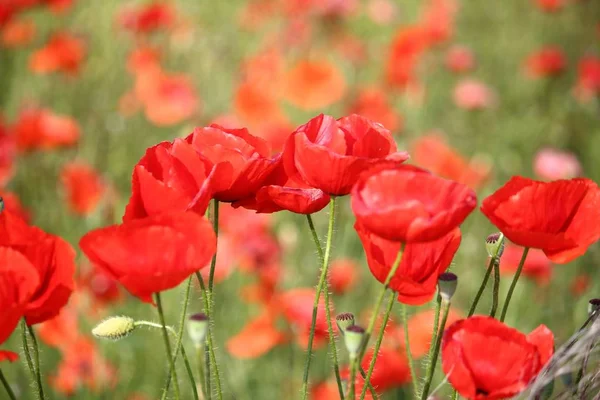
(405, 204)
(17, 33)
(102, 287)
(580, 284)
(472, 94)
(7, 154)
(19, 280)
(256, 106)
(546, 62)
(296, 305)
(169, 177)
(149, 17)
(83, 366)
(83, 186)
(553, 164)
(562, 218)
(279, 192)
(314, 84)
(421, 265)
(61, 331)
(330, 154)
(588, 78)
(382, 12)
(438, 19)
(343, 275)
(38, 128)
(257, 338)
(242, 161)
(431, 152)
(550, 5)
(143, 58)
(152, 254)
(408, 46)
(12, 204)
(537, 266)
(58, 6)
(372, 103)
(485, 359)
(8, 356)
(63, 53)
(53, 259)
(459, 59)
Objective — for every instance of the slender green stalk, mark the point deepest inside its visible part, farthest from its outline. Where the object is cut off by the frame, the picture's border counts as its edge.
(320, 285)
(436, 351)
(454, 395)
(210, 304)
(27, 350)
(200, 351)
(371, 388)
(513, 284)
(161, 318)
(482, 287)
(353, 367)
(36, 360)
(332, 345)
(411, 363)
(213, 263)
(436, 323)
(496, 290)
(179, 335)
(11, 394)
(386, 316)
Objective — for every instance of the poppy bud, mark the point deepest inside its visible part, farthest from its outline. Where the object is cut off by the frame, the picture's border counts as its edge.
(114, 328)
(197, 327)
(593, 306)
(353, 339)
(494, 244)
(447, 285)
(344, 321)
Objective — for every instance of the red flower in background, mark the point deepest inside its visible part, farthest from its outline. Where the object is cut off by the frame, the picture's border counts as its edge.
(472, 94)
(562, 218)
(148, 18)
(242, 161)
(432, 152)
(152, 254)
(343, 275)
(552, 164)
(63, 53)
(83, 186)
(550, 5)
(373, 103)
(485, 359)
(7, 153)
(330, 154)
(438, 19)
(588, 78)
(421, 265)
(407, 48)
(406, 204)
(546, 62)
(537, 266)
(52, 258)
(17, 33)
(38, 128)
(257, 338)
(311, 85)
(459, 59)
(169, 177)
(296, 305)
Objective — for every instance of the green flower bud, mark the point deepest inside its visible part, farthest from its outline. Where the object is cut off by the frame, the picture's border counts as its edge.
(447, 283)
(114, 328)
(344, 321)
(494, 244)
(197, 327)
(354, 339)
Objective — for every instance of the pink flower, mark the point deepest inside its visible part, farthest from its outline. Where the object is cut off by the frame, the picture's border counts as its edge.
(552, 164)
(459, 59)
(472, 94)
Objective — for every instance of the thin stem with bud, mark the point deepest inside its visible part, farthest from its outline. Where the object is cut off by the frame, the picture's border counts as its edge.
(436, 350)
(513, 284)
(161, 317)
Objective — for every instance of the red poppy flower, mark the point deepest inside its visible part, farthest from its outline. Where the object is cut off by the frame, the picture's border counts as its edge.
(550, 5)
(407, 48)
(142, 59)
(7, 154)
(148, 18)
(152, 254)
(314, 84)
(373, 103)
(421, 265)
(42, 129)
(537, 266)
(9, 356)
(63, 53)
(279, 192)
(61, 331)
(17, 33)
(588, 78)
(485, 359)
(18, 282)
(438, 19)
(580, 284)
(562, 218)
(13, 204)
(83, 186)
(52, 257)
(257, 338)
(101, 286)
(169, 177)
(459, 59)
(548, 61)
(343, 275)
(405, 204)
(243, 160)
(471, 94)
(330, 154)
(296, 305)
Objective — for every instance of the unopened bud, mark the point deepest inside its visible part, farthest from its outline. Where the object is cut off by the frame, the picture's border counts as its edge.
(494, 244)
(354, 339)
(344, 321)
(114, 328)
(593, 306)
(447, 285)
(197, 327)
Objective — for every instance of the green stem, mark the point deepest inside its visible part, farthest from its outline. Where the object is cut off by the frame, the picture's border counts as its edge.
(210, 304)
(436, 352)
(482, 287)
(513, 284)
(213, 262)
(320, 285)
(436, 323)
(27, 350)
(212, 364)
(11, 394)
(200, 351)
(161, 318)
(455, 395)
(332, 344)
(371, 388)
(496, 290)
(411, 364)
(386, 316)
(353, 367)
(36, 359)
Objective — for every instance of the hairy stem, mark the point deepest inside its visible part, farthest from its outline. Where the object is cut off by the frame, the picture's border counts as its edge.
(482, 287)
(161, 318)
(36, 359)
(436, 351)
(9, 391)
(496, 289)
(513, 284)
(411, 363)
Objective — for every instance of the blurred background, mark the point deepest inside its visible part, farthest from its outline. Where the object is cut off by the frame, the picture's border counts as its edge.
(476, 91)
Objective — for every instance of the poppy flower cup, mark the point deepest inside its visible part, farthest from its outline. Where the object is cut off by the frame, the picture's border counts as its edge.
(330, 155)
(152, 254)
(406, 204)
(562, 218)
(486, 359)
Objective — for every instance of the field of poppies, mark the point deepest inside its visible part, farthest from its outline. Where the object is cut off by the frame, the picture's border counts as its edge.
(299, 199)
